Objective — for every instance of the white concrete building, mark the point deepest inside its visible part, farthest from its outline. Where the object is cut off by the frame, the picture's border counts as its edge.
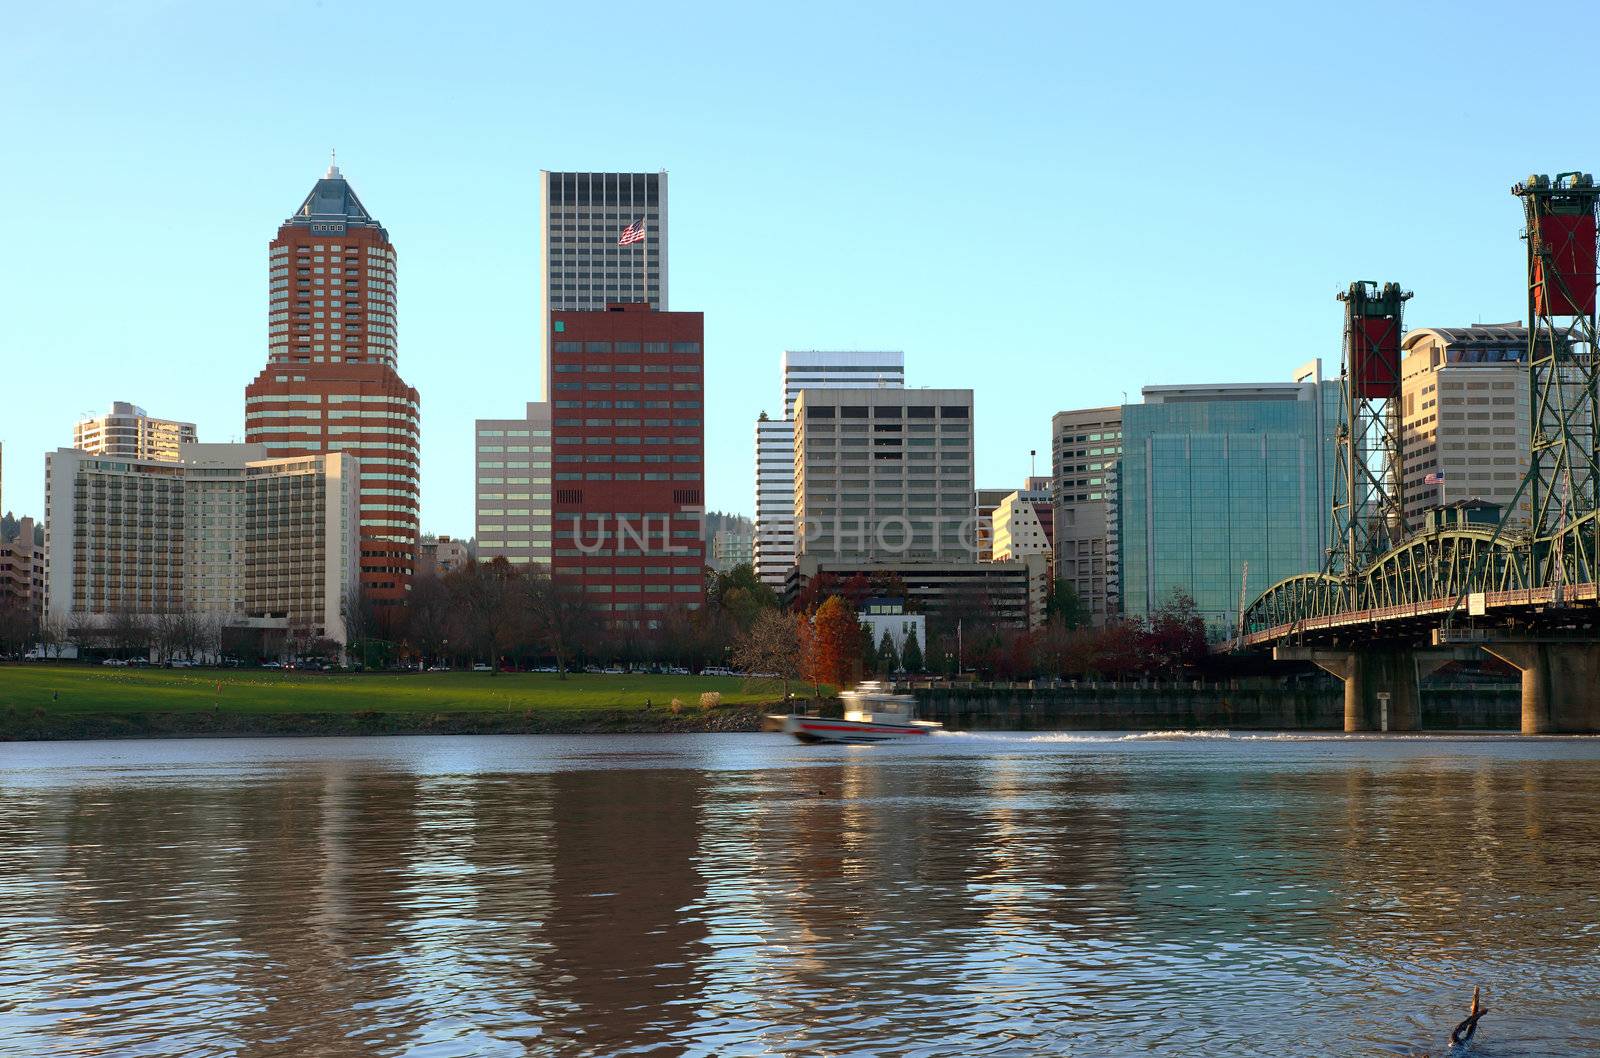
(883, 615)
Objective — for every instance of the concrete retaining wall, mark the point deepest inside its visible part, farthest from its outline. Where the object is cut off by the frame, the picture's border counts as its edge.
(1182, 708)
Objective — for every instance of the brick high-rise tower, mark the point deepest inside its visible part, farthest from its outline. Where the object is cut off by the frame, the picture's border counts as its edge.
(627, 433)
(330, 383)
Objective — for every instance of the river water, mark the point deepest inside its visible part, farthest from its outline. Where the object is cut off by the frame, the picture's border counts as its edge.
(742, 894)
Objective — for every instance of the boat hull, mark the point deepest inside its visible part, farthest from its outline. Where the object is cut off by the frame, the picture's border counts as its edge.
(824, 729)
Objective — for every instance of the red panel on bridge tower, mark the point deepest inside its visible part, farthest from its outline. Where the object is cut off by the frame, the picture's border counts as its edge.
(1569, 240)
(1375, 358)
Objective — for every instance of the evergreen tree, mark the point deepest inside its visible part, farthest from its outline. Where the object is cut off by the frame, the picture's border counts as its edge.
(1062, 605)
(869, 650)
(888, 656)
(911, 652)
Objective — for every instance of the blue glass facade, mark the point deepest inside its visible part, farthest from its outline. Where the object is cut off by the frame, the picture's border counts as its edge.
(1207, 484)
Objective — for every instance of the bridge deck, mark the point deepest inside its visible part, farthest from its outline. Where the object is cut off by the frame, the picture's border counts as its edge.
(1524, 598)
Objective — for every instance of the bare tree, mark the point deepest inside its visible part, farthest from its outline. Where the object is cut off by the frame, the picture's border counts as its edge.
(559, 616)
(52, 635)
(129, 631)
(16, 626)
(772, 646)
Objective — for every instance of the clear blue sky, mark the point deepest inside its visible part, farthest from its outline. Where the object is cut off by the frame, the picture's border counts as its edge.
(1049, 204)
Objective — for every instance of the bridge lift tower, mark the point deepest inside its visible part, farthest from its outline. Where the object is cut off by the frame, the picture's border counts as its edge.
(1563, 481)
(1368, 492)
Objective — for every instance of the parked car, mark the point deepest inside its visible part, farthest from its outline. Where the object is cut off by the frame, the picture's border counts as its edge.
(114, 663)
(179, 663)
(482, 666)
(439, 668)
(272, 664)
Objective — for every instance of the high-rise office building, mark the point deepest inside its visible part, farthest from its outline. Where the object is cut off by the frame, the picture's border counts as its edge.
(583, 217)
(1213, 477)
(802, 369)
(127, 432)
(512, 474)
(773, 546)
(1085, 446)
(224, 532)
(627, 425)
(1464, 424)
(884, 473)
(330, 384)
(849, 369)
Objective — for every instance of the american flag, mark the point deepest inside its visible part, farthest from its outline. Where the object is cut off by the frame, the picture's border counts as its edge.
(1436, 478)
(631, 234)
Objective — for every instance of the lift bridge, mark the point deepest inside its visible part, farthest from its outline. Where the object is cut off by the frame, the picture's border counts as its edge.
(1394, 603)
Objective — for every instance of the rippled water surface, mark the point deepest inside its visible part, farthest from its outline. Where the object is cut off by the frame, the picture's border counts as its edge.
(741, 894)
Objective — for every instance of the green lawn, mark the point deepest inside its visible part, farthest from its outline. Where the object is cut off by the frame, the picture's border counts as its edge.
(92, 689)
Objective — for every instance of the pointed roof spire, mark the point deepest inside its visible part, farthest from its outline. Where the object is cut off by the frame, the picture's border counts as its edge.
(333, 200)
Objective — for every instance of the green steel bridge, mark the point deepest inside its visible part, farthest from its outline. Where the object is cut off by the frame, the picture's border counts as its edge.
(1519, 581)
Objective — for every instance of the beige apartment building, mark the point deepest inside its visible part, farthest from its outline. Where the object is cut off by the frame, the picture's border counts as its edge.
(22, 569)
(127, 432)
(512, 475)
(223, 533)
(441, 555)
(1464, 422)
(1085, 446)
(1022, 521)
(884, 474)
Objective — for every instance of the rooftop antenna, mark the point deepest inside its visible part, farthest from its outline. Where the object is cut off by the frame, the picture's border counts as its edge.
(1033, 462)
(333, 163)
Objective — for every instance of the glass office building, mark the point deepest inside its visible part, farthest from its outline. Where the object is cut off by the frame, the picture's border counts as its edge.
(1214, 477)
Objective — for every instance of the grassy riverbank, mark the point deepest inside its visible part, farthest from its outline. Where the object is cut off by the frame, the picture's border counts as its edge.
(83, 701)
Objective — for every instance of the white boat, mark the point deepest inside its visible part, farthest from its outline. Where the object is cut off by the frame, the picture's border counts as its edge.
(871, 714)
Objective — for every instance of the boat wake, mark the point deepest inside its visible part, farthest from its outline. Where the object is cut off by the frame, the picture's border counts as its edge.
(1155, 736)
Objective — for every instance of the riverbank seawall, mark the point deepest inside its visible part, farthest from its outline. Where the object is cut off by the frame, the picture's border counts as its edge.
(201, 724)
(1187, 707)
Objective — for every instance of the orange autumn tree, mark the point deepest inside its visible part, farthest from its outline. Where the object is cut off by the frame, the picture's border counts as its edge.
(832, 643)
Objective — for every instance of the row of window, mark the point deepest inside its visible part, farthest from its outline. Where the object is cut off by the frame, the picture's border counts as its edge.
(682, 405)
(628, 387)
(601, 439)
(624, 348)
(621, 457)
(620, 423)
(889, 411)
(592, 476)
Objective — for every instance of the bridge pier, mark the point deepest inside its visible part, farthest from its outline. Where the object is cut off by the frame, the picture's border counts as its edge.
(1370, 671)
(1560, 684)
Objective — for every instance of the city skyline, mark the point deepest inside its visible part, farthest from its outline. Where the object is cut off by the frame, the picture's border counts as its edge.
(749, 237)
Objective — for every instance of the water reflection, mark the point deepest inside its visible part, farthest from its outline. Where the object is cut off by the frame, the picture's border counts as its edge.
(710, 895)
